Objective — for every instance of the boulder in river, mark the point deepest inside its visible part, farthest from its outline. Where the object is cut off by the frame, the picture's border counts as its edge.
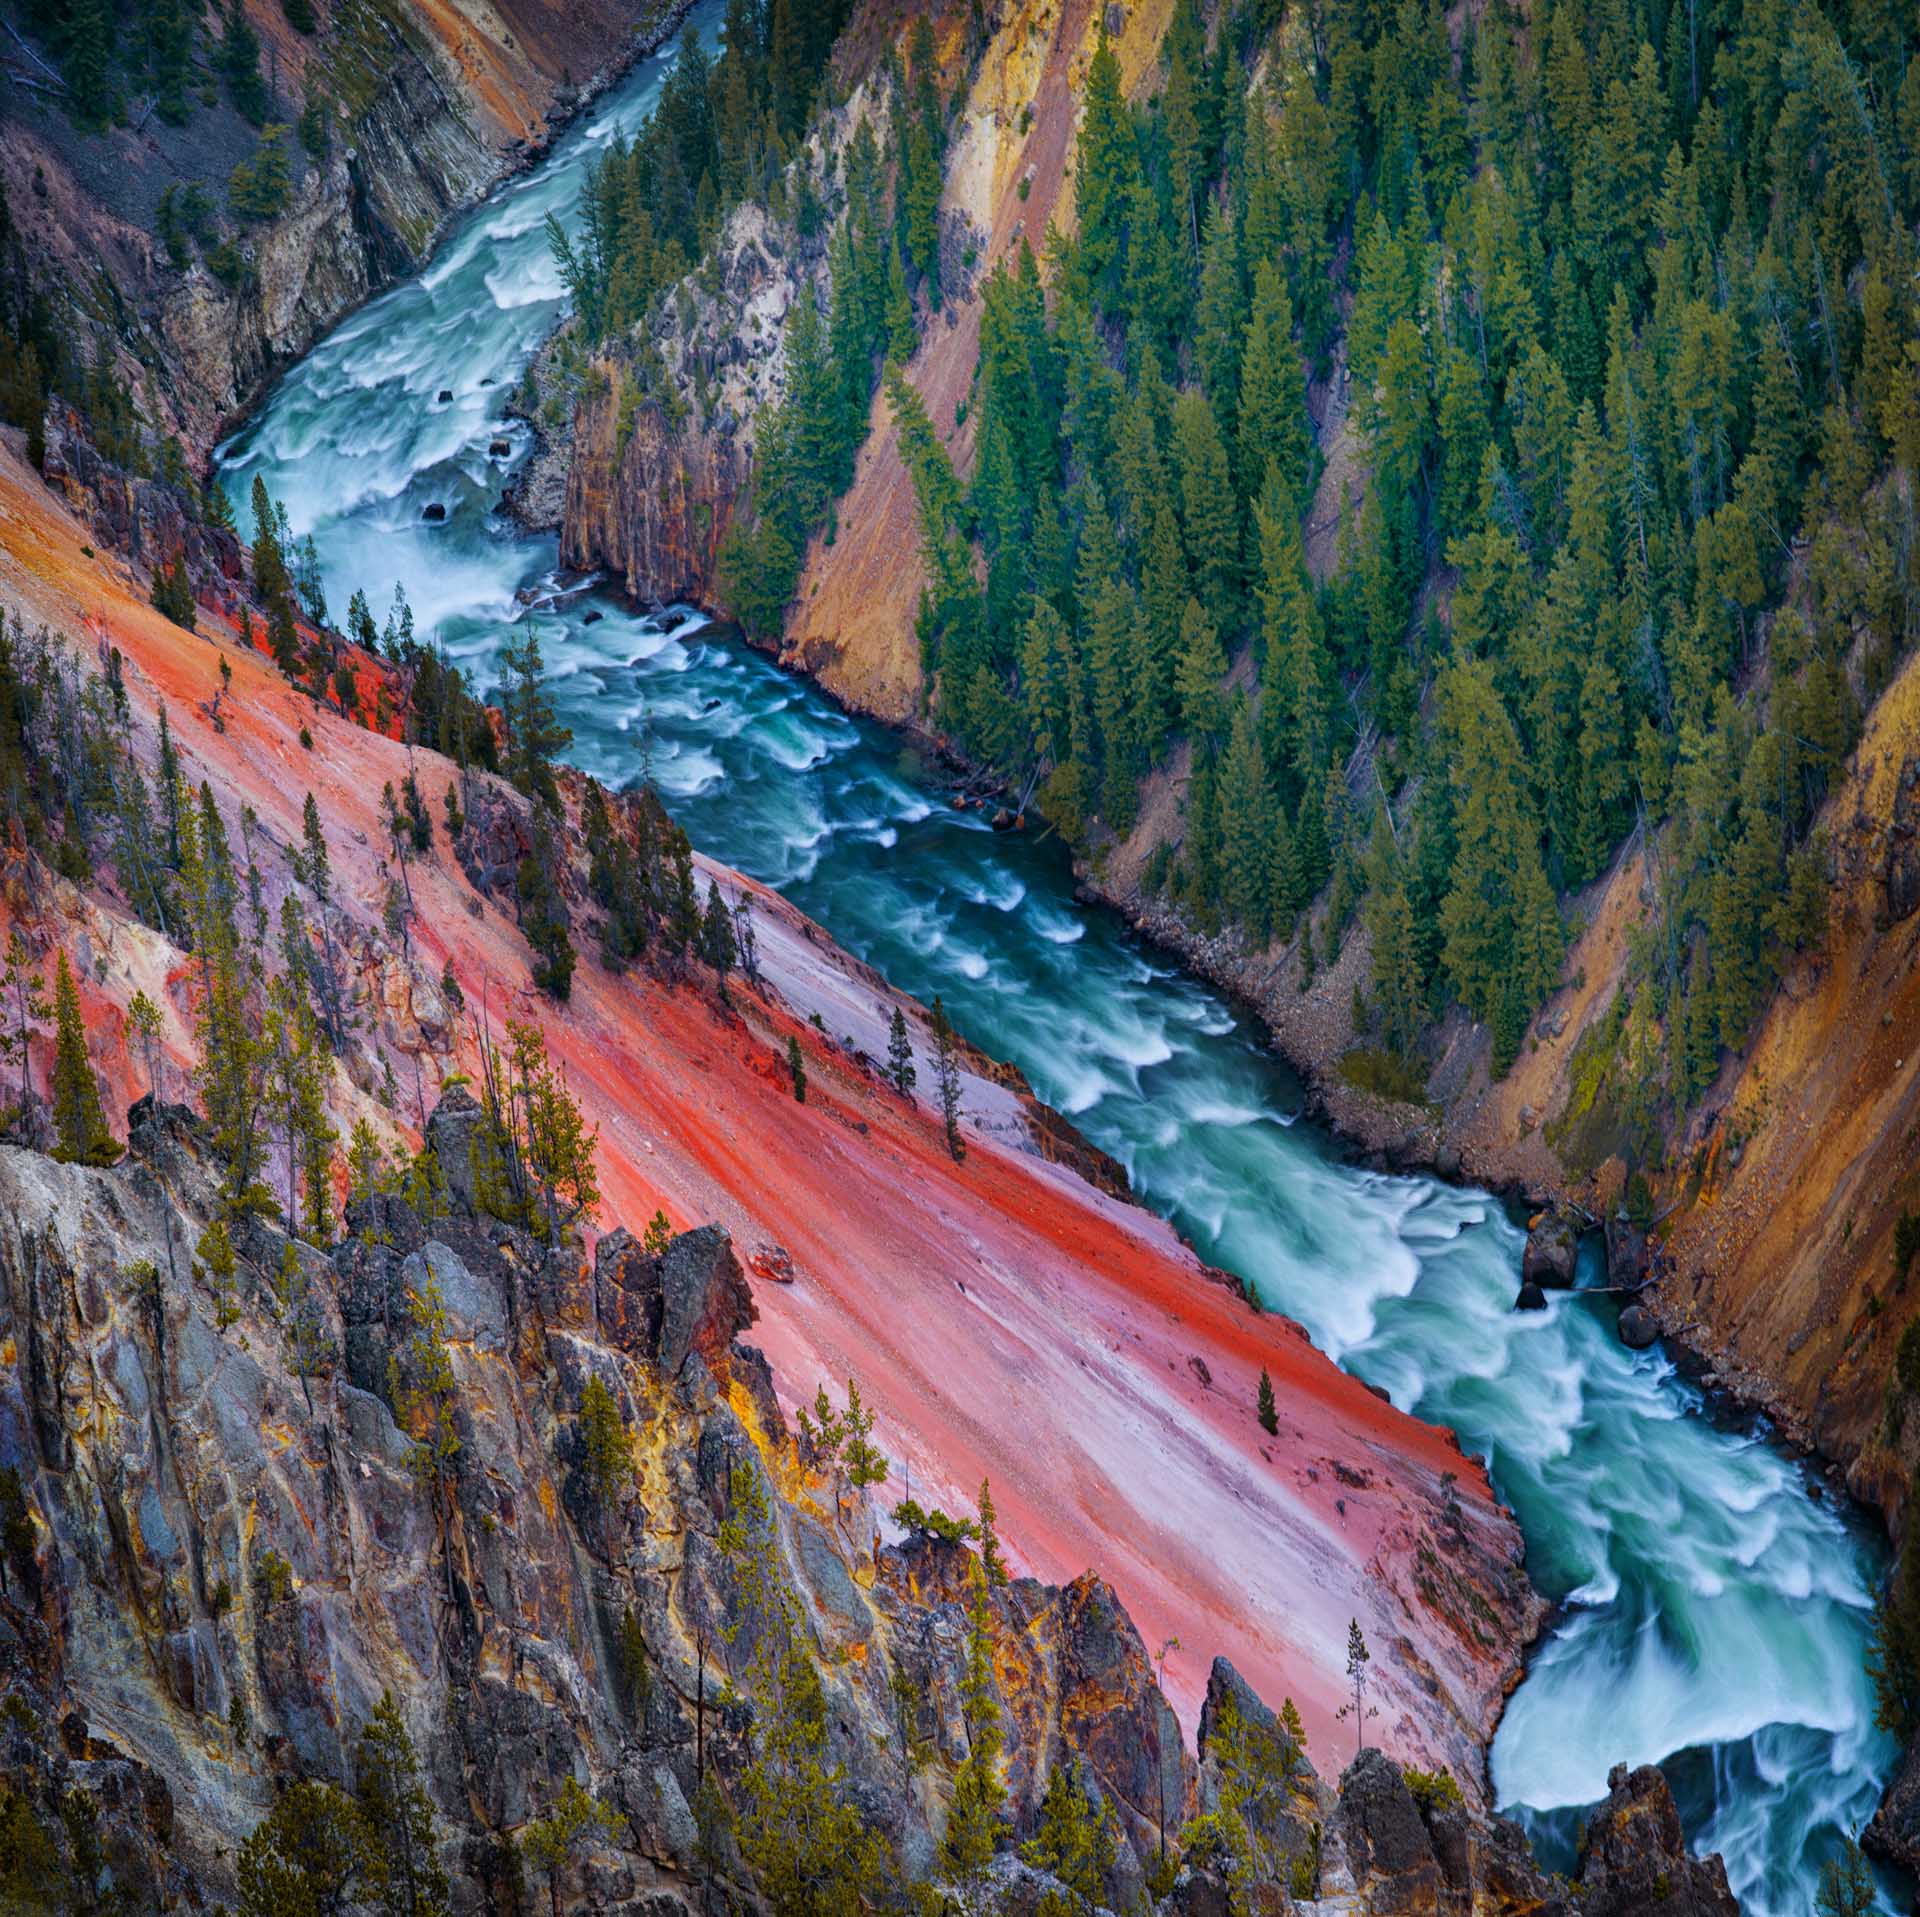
(1637, 1328)
(435, 513)
(1531, 1298)
(445, 396)
(499, 449)
(1626, 1251)
(1553, 1251)
(592, 617)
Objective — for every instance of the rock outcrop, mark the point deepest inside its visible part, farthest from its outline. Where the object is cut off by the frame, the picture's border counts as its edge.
(223, 1548)
(652, 486)
(1395, 1846)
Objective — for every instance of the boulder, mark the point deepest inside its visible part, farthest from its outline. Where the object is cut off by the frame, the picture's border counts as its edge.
(450, 1132)
(1626, 1250)
(1638, 1329)
(434, 513)
(445, 396)
(692, 1297)
(499, 449)
(1636, 1858)
(1553, 1251)
(1531, 1298)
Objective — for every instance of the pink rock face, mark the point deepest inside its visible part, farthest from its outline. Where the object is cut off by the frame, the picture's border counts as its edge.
(1004, 1319)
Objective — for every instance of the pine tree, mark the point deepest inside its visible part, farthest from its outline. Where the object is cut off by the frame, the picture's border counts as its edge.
(1359, 1659)
(900, 1066)
(534, 733)
(974, 1814)
(394, 1803)
(946, 1074)
(1201, 673)
(1074, 1842)
(88, 66)
(716, 936)
(1209, 514)
(1847, 1885)
(84, 1138)
(1294, 718)
(1246, 826)
(25, 993)
(797, 1068)
(991, 1561)
(1268, 1412)
(1274, 429)
(606, 1447)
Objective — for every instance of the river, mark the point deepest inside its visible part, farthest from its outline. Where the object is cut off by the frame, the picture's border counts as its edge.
(1714, 1615)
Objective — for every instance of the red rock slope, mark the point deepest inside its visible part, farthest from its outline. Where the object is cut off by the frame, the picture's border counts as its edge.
(1002, 1316)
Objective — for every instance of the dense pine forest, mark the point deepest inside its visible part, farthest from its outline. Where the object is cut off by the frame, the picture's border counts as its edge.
(1621, 299)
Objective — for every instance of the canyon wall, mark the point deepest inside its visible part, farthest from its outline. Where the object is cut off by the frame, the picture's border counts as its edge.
(438, 102)
(1005, 1318)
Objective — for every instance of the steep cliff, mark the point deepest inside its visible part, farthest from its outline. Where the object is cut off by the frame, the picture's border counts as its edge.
(223, 1554)
(430, 106)
(651, 490)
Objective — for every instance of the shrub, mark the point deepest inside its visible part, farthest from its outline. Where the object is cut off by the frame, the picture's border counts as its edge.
(1433, 1790)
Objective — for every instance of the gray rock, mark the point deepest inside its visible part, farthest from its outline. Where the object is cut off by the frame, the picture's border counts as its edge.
(1638, 1329)
(450, 1132)
(1626, 1251)
(1553, 1249)
(1636, 1857)
(1531, 1298)
(1378, 1828)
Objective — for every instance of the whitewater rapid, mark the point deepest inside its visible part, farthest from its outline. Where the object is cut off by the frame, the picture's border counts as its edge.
(1714, 1614)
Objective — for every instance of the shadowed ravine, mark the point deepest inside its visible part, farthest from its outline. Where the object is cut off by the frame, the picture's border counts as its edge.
(1715, 1614)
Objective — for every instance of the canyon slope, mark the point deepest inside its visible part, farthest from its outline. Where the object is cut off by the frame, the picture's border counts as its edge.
(1004, 1317)
(429, 106)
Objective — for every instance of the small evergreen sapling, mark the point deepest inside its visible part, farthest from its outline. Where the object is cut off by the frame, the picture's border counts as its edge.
(84, 1138)
(900, 1066)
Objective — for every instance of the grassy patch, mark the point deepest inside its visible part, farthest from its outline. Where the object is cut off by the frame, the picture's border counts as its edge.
(1385, 1074)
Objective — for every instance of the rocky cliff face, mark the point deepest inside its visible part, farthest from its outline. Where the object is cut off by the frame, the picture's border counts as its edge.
(223, 1551)
(440, 104)
(652, 484)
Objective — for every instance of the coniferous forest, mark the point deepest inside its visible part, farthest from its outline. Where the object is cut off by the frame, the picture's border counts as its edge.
(1609, 318)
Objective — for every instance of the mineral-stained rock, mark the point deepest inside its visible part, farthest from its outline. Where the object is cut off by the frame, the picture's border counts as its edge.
(1553, 1249)
(1636, 1859)
(217, 1541)
(691, 1298)
(1378, 1831)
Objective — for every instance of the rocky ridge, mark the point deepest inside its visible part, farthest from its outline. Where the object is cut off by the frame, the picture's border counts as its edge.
(223, 1554)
